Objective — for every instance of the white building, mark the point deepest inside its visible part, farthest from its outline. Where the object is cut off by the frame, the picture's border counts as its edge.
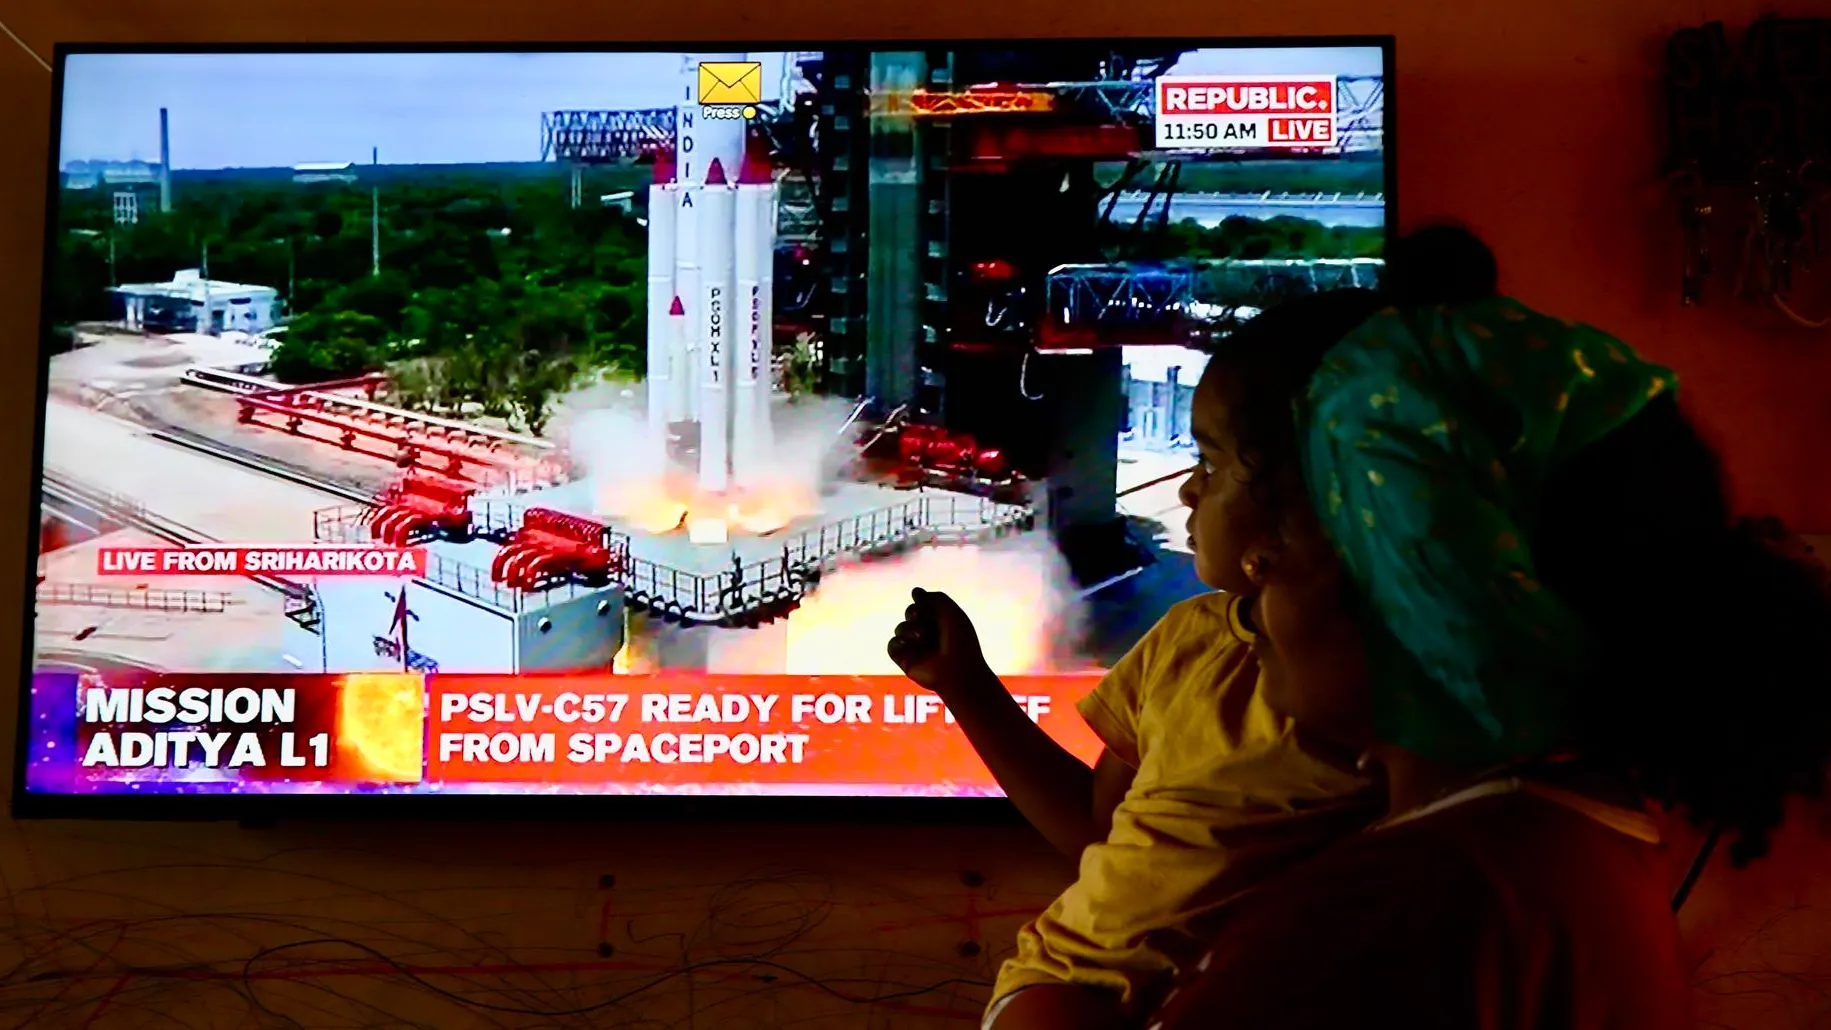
(191, 303)
(1159, 383)
(86, 175)
(324, 171)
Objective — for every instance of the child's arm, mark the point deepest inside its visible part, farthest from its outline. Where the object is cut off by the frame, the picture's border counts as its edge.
(1067, 802)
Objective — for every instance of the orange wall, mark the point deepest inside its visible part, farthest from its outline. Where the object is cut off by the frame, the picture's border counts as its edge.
(1538, 124)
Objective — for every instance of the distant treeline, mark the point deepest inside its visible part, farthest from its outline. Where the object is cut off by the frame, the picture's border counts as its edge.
(494, 294)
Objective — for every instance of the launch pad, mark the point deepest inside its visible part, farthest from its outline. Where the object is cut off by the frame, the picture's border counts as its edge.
(748, 580)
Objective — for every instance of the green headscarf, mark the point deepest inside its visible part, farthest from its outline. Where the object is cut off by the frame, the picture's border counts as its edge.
(1427, 437)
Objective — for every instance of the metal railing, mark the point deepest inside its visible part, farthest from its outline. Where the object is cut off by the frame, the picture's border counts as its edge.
(342, 524)
(719, 597)
(128, 511)
(493, 520)
(1284, 198)
(937, 518)
(95, 595)
(1119, 295)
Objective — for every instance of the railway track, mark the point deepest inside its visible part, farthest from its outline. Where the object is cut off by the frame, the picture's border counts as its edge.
(191, 440)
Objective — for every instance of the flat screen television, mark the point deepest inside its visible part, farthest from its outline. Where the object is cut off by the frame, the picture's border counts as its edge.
(454, 423)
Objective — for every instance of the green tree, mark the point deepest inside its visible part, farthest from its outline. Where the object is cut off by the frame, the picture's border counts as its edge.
(803, 374)
(537, 382)
(470, 319)
(551, 321)
(410, 385)
(318, 347)
(382, 297)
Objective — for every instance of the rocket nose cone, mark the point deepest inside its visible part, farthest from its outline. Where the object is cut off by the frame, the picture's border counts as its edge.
(715, 175)
(755, 169)
(756, 172)
(677, 308)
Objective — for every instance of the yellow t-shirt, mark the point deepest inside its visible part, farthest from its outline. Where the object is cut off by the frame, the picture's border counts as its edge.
(1223, 795)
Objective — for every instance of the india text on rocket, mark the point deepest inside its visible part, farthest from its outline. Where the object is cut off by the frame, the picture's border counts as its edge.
(711, 255)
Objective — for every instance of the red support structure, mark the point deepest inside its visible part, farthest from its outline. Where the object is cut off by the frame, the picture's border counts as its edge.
(409, 439)
(410, 449)
(552, 546)
(1172, 328)
(984, 100)
(933, 449)
(420, 507)
(990, 146)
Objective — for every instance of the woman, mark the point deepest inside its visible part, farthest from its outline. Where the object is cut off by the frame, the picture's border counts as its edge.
(1517, 593)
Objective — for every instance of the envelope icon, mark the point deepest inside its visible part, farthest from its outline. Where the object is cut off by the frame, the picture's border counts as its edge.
(730, 82)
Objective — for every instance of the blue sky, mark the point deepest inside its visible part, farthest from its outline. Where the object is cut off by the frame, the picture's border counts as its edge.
(277, 110)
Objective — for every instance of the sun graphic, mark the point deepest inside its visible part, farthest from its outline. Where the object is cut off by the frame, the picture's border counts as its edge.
(381, 720)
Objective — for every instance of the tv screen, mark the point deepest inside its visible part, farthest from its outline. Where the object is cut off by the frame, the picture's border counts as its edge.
(459, 422)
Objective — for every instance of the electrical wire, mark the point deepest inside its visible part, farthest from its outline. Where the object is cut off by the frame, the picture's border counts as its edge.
(1799, 319)
(186, 968)
(1692, 874)
(822, 984)
(14, 36)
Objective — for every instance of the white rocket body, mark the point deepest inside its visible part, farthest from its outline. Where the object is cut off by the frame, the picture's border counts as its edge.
(751, 434)
(716, 244)
(662, 198)
(711, 258)
(686, 287)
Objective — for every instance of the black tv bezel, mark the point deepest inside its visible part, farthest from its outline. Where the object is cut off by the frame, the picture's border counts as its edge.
(264, 809)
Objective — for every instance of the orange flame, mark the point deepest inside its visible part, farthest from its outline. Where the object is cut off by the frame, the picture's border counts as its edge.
(647, 505)
(662, 505)
(1016, 596)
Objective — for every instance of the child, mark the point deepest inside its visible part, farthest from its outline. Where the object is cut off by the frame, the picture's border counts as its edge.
(1201, 789)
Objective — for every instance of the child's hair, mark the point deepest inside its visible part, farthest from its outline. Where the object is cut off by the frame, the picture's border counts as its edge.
(1275, 354)
(1713, 682)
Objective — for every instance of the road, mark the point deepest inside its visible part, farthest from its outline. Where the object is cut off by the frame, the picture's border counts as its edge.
(1157, 502)
(216, 498)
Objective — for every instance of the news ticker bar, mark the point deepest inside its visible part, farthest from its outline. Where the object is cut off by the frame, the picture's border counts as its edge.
(403, 729)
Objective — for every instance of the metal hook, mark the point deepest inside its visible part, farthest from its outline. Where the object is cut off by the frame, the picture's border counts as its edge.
(1023, 378)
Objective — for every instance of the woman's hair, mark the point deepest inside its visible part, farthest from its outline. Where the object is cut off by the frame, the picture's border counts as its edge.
(1713, 679)
(1712, 687)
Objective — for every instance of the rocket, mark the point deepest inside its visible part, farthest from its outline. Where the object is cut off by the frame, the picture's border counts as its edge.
(663, 406)
(685, 400)
(752, 437)
(675, 400)
(717, 251)
(709, 291)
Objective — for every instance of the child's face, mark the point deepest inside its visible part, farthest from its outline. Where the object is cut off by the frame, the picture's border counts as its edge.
(1224, 515)
(1312, 653)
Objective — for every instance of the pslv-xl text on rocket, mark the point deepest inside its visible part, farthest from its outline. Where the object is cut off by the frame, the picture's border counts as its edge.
(711, 260)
